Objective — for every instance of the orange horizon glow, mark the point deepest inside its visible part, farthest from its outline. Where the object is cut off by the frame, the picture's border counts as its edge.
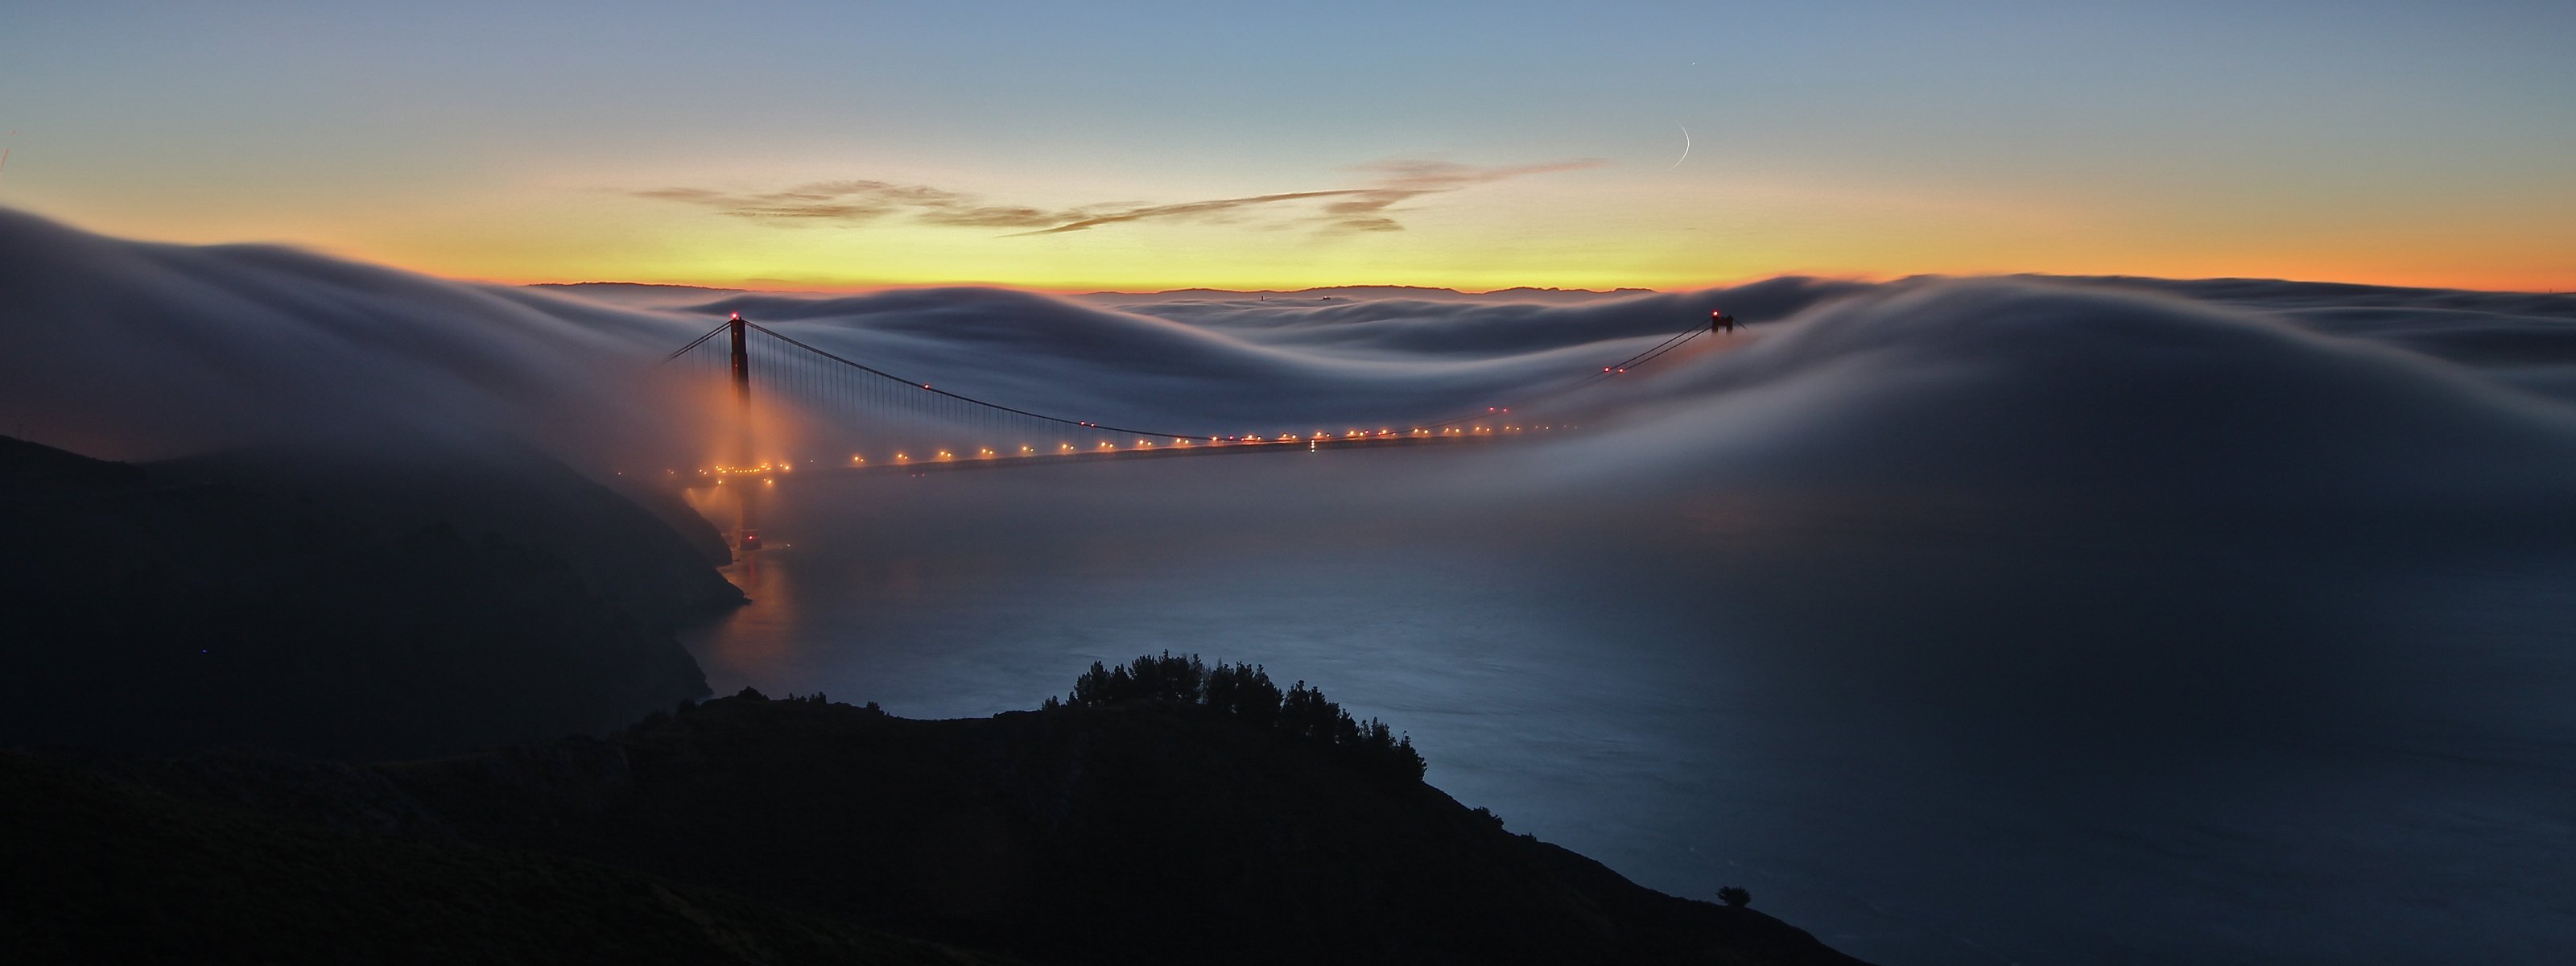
(356, 242)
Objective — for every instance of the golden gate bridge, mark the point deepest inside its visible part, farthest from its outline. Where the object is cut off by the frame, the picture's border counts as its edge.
(844, 417)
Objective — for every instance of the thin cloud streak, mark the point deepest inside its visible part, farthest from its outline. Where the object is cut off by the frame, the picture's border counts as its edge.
(1402, 181)
(1191, 209)
(1370, 208)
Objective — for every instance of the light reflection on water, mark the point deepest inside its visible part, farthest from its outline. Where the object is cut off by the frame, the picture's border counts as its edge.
(1926, 743)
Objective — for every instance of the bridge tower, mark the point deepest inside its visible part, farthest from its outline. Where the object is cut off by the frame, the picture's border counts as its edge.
(737, 332)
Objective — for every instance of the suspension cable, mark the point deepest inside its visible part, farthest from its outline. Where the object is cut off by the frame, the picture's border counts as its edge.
(694, 343)
(764, 330)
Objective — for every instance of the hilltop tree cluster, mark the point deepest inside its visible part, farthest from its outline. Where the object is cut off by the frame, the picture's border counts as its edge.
(1245, 694)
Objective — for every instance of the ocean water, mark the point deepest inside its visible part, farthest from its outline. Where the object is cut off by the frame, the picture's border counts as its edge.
(1929, 736)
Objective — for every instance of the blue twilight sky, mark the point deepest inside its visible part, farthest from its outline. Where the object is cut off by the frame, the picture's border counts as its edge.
(2360, 141)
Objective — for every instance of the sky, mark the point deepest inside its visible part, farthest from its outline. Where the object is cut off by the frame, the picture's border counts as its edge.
(1141, 146)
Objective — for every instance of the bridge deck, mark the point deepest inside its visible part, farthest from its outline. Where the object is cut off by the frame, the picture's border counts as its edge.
(913, 467)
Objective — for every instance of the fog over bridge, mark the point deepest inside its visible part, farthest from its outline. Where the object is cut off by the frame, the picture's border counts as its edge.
(820, 414)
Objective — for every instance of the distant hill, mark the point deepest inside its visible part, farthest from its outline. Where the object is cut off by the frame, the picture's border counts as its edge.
(1355, 293)
(640, 287)
(644, 294)
(656, 295)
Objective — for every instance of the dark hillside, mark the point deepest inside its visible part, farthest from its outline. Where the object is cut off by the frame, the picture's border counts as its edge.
(640, 548)
(1134, 833)
(155, 610)
(101, 871)
(753, 830)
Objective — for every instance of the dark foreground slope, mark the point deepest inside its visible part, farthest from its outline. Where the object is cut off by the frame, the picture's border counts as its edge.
(100, 871)
(157, 609)
(1080, 835)
(795, 831)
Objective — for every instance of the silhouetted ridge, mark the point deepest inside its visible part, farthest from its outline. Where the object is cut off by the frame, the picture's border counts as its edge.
(98, 870)
(1245, 694)
(1141, 831)
(157, 609)
(1152, 830)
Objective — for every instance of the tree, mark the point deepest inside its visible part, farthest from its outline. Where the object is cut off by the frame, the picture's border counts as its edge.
(1736, 897)
(1246, 694)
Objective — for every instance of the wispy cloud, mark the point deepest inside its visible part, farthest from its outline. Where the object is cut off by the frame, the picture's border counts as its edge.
(1370, 207)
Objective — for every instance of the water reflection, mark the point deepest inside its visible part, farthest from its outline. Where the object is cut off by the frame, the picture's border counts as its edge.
(758, 643)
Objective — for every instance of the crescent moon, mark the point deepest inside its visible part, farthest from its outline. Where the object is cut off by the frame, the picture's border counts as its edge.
(1677, 162)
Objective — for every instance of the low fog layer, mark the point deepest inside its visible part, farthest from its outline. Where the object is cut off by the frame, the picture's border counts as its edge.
(2223, 389)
